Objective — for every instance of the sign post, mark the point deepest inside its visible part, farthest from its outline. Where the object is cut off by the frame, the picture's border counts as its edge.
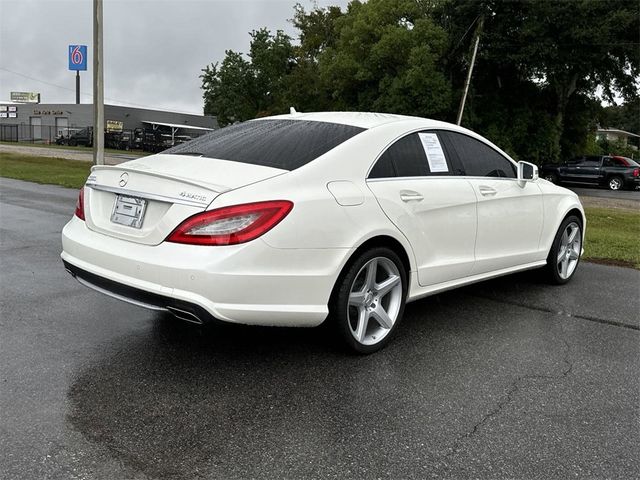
(77, 62)
(98, 86)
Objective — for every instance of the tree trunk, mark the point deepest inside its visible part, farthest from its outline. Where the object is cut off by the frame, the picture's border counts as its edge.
(564, 87)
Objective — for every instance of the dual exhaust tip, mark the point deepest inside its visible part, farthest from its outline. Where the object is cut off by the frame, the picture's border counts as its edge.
(184, 315)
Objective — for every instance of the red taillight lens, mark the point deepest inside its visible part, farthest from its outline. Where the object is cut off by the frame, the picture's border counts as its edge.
(80, 205)
(231, 225)
(636, 172)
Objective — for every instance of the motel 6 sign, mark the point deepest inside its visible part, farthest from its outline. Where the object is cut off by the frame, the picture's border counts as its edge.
(77, 57)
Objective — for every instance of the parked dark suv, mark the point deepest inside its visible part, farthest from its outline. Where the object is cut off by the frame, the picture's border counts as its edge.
(612, 172)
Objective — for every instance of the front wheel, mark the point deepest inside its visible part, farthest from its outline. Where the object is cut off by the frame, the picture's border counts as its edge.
(615, 183)
(564, 256)
(369, 301)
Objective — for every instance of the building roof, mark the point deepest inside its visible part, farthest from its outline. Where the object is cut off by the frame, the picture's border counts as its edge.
(616, 130)
(176, 125)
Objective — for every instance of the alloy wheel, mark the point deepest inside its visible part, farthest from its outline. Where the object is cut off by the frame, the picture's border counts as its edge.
(615, 183)
(569, 250)
(375, 299)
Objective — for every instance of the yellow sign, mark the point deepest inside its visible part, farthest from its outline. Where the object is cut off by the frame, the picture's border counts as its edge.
(114, 126)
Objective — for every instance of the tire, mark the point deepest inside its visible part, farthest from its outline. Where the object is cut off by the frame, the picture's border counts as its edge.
(73, 143)
(366, 319)
(551, 177)
(564, 256)
(615, 182)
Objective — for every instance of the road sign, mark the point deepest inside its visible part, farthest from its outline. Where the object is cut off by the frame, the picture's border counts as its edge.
(77, 57)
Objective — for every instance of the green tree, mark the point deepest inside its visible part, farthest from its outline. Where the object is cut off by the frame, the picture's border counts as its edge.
(566, 49)
(387, 57)
(238, 89)
(318, 31)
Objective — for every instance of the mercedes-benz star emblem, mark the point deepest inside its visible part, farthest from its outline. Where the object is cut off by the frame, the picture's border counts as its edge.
(124, 178)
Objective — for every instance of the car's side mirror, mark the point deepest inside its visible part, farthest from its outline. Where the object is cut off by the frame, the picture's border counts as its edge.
(527, 172)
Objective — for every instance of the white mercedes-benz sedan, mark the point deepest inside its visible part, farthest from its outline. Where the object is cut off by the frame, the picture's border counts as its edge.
(294, 219)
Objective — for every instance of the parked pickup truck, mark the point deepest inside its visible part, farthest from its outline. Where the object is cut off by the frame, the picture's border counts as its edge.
(612, 172)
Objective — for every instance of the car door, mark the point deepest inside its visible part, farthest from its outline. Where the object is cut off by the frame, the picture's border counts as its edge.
(568, 170)
(510, 213)
(420, 189)
(588, 171)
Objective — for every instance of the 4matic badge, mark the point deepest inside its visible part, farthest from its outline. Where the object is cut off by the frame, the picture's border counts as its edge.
(193, 196)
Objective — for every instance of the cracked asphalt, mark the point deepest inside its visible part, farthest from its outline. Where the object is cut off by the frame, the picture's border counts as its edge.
(510, 378)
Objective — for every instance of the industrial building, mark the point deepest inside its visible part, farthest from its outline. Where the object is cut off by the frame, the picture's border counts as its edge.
(45, 123)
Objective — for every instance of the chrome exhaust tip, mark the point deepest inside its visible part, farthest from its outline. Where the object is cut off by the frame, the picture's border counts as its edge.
(184, 315)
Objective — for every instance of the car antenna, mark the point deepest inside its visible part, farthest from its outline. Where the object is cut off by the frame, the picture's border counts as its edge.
(292, 111)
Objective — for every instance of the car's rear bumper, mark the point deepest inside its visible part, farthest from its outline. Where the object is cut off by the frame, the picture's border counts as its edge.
(251, 283)
(632, 182)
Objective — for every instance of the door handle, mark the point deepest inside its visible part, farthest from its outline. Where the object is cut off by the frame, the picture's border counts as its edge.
(410, 196)
(487, 191)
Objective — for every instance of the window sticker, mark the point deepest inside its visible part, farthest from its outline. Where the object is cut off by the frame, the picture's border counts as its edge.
(433, 150)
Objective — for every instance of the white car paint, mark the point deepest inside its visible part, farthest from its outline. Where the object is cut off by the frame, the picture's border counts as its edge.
(461, 230)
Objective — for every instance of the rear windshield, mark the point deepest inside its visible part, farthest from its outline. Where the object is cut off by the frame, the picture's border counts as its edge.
(285, 144)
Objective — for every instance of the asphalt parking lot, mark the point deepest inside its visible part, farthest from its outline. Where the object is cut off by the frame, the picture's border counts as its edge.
(506, 379)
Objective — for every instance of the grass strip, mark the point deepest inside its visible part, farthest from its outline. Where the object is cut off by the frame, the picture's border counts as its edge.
(613, 237)
(48, 170)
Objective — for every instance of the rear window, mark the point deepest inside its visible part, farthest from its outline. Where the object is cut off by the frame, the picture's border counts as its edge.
(285, 144)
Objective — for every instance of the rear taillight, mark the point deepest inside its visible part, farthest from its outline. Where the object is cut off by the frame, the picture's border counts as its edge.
(636, 172)
(80, 205)
(231, 225)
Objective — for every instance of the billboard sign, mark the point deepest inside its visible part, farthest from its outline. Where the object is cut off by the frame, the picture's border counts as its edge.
(77, 57)
(25, 97)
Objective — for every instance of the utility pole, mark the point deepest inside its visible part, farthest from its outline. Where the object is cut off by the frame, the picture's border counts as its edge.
(98, 86)
(470, 72)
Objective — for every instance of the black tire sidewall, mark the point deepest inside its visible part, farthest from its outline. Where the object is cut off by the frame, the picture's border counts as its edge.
(340, 298)
(552, 266)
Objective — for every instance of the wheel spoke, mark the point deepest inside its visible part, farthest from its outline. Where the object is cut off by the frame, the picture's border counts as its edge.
(356, 299)
(572, 235)
(575, 254)
(372, 270)
(564, 267)
(363, 320)
(380, 315)
(388, 285)
(561, 253)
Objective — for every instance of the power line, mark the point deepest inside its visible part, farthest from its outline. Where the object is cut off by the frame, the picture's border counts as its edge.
(90, 95)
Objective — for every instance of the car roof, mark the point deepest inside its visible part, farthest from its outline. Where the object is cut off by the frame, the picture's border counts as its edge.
(359, 119)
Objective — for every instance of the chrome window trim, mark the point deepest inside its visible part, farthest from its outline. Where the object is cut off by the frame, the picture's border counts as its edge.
(439, 177)
(148, 196)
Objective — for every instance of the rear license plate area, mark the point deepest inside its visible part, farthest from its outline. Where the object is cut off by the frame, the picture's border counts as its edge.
(129, 211)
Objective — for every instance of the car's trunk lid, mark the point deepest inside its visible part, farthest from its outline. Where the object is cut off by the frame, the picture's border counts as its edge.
(145, 199)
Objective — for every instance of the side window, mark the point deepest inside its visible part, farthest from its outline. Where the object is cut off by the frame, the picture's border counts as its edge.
(407, 158)
(589, 163)
(479, 159)
(614, 162)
